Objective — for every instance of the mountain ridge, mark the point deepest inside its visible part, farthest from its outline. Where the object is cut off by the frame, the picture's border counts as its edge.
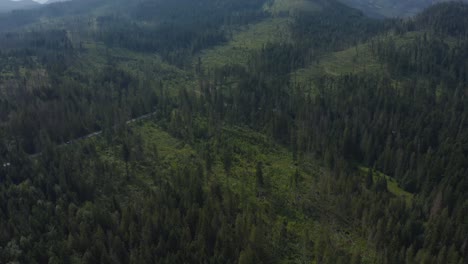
(8, 5)
(393, 8)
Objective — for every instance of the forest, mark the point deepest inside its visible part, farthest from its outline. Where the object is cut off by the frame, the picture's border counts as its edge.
(233, 131)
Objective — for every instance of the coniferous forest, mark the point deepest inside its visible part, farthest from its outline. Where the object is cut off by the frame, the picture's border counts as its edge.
(233, 131)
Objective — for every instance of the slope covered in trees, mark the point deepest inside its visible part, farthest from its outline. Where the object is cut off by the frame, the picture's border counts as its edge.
(8, 5)
(262, 157)
(393, 8)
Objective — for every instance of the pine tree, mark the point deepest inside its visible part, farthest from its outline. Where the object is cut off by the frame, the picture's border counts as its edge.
(369, 179)
(259, 174)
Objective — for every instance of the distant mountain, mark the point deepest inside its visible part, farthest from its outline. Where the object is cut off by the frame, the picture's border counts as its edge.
(392, 8)
(28, 16)
(55, 1)
(8, 5)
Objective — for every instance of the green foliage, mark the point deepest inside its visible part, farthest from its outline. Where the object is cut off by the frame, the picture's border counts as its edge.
(391, 8)
(235, 160)
(445, 19)
(291, 7)
(246, 40)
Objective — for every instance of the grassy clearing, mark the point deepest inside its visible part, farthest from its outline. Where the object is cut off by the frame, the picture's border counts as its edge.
(283, 200)
(253, 37)
(358, 59)
(244, 41)
(354, 60)
(392, 185)
(159, 151)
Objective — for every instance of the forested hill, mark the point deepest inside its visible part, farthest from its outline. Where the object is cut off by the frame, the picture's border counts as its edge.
(274, 131)
(393, 8)
(8, 5)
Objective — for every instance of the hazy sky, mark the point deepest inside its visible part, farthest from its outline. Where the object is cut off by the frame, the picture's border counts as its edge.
(39, 1)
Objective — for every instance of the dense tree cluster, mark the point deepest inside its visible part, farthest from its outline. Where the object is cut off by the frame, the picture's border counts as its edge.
(407, 124)
(177, 30)
(445, 19)
(413, 130)
(60, 216)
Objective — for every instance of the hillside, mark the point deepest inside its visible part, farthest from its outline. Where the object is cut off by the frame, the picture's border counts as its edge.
(8, 5)
(392, 8)
(232, 131)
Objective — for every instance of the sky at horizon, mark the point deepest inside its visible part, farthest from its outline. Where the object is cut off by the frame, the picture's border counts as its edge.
(39, 1)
